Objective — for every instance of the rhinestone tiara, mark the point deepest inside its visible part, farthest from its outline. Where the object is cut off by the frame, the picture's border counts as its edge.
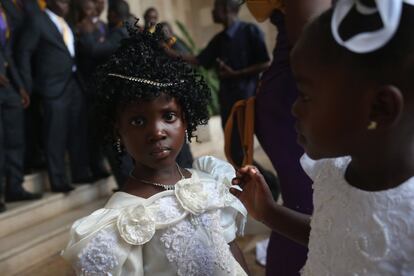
(145, 81)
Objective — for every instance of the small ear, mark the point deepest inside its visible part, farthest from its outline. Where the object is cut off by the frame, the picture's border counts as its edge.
(387, 106)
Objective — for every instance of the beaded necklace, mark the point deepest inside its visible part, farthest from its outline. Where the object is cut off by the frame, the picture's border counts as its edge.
(164, 186)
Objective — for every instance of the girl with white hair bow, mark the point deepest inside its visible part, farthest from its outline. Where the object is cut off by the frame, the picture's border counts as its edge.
(354, 68)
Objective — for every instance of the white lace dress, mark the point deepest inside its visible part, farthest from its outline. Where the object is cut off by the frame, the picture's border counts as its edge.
(355, 232)
(182, 232)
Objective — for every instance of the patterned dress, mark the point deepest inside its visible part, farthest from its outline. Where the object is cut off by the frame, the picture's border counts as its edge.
(182, 232)
(357, 232)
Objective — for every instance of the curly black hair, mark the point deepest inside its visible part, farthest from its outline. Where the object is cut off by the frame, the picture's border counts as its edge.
(142, 56)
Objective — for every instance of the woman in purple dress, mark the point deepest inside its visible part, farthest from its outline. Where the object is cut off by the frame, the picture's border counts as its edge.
(275, 126)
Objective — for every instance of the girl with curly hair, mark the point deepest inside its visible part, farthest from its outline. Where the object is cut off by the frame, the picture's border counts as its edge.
(167, 220)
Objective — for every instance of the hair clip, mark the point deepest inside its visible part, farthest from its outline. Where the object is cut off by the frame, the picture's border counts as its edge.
(390, 12)
(145, 81)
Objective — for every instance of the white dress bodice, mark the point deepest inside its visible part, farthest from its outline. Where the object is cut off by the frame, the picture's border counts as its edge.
(356, 232)
(180, 232)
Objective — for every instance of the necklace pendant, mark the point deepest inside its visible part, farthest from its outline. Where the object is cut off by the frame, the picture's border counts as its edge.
(169, 187)
(164, 186)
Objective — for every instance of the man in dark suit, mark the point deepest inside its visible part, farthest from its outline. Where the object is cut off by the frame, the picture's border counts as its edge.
(18, 12)
(100, 7)
(95, 50)
(32, 6)
(118, 13)
(15, 17)
(13, 98)
(150, 19)
(86, 65)
(49, 43)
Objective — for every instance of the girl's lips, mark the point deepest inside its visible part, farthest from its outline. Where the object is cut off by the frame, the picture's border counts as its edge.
(160, 153)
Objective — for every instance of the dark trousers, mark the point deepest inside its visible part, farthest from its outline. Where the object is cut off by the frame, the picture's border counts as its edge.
(96, 148)
(34, 155)
(65, 129)
(11, 139)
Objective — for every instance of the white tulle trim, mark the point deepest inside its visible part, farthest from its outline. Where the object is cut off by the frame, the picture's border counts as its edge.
(137, 223)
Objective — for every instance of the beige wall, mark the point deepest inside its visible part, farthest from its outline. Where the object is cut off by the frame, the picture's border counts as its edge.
(196, 16)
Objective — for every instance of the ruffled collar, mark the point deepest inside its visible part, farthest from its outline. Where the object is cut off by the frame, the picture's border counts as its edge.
(137, 223)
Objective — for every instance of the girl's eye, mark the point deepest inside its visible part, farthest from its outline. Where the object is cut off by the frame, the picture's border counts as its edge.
(137, 122)
(170, 116)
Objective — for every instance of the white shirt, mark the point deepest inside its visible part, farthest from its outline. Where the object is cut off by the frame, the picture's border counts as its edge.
(356, 232)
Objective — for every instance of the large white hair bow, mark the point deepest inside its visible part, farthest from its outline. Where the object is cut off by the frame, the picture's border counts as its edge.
(390, 12)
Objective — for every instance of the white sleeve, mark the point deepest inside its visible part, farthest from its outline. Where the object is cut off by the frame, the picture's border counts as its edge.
(309, 166)
(313, 168)
(228, 223)
(96, 248)
(217, 168)
(233, 215)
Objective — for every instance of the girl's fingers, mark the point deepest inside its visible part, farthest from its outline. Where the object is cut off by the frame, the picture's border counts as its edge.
(236, 187)
(244, 169)
(255, 174)
(237, 184)
(235, 192)
(236, 181)
(257, 177)
(261, 184)
(245, 175)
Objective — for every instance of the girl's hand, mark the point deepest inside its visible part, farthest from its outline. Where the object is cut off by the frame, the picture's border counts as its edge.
(256, 195)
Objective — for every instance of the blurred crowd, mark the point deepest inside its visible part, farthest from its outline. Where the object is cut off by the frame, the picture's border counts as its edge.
(49, 50)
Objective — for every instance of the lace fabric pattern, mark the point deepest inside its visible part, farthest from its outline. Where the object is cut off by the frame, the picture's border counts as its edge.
(196, 247)
(211, 221)
(166, 209)
(355, 232)
(97, 258)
